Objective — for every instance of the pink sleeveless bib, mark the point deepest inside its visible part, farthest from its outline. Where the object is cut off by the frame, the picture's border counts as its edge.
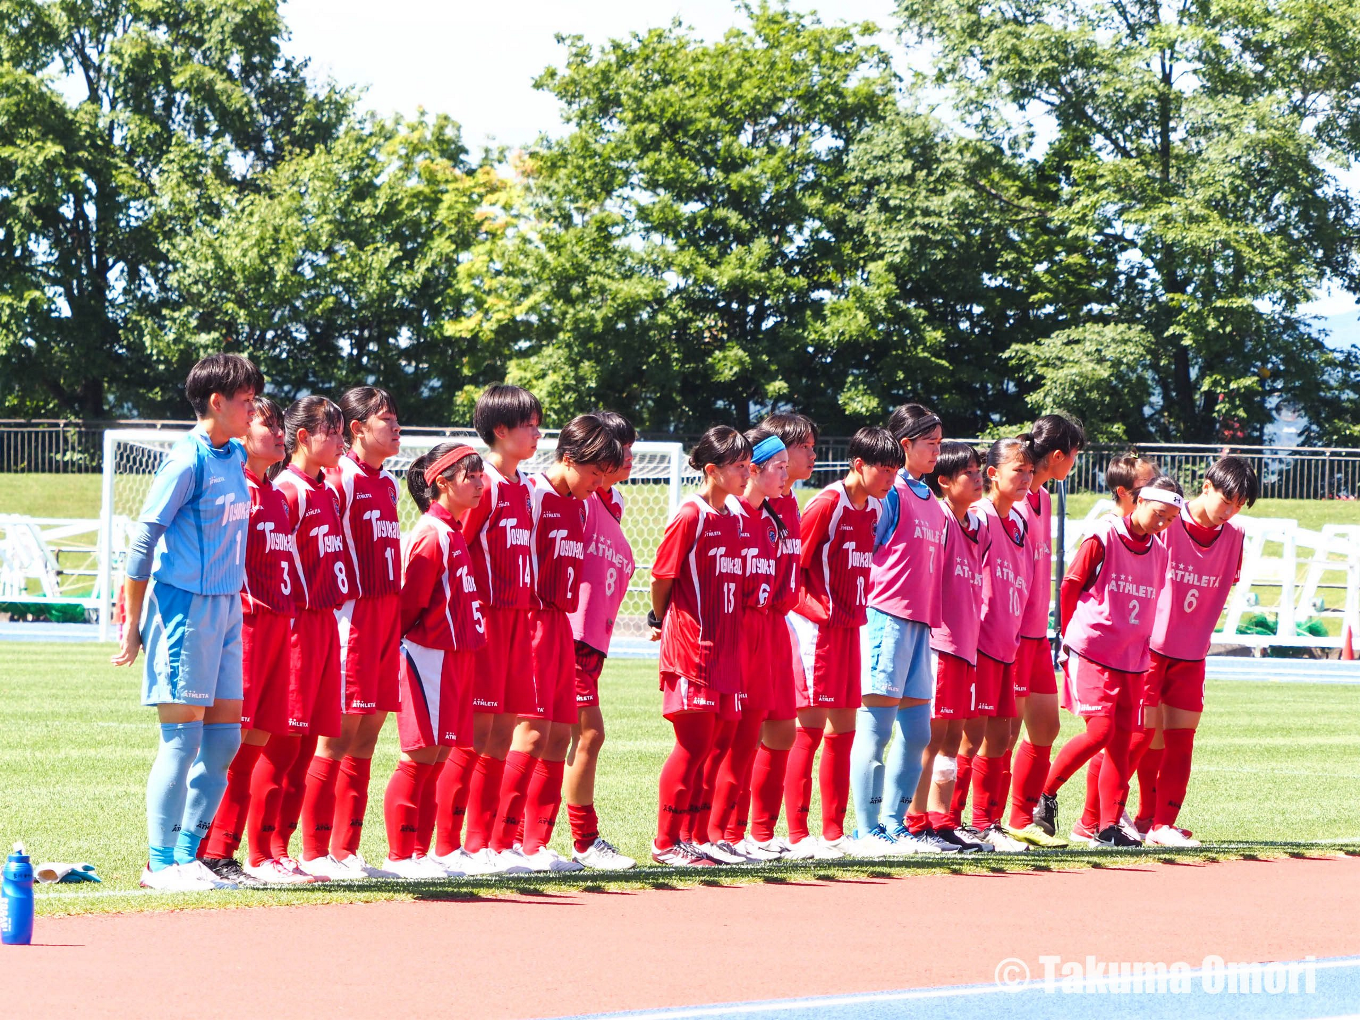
(605, 572)
(1006, 578)
(905, 578)
(1113, 618)
(961, 587)
(1198, 581)
(1039, 536)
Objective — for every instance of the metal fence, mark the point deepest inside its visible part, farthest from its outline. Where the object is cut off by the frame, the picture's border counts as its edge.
(74, 447)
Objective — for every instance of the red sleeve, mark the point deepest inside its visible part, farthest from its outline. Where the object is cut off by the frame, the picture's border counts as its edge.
(289, 494)
(676, 543)
(418, 579)
(475, 519)
(1080, 576)
(816, 519)
(335, 482)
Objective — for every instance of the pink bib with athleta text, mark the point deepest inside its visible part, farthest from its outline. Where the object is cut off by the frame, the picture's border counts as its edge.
(965, 553)
(1113, 618)
(905, 578)
(1006, 578)
(1199, 579)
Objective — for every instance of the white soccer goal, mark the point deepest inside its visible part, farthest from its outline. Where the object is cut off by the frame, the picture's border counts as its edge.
(652, 495)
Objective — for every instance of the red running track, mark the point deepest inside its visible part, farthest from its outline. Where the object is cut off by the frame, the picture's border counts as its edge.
(556, 955)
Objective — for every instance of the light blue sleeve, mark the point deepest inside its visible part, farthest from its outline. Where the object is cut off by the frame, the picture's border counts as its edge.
(887, 520)
(142, 549)
(171, 487)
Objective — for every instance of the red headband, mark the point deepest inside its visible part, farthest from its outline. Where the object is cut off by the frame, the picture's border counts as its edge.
(445, 462)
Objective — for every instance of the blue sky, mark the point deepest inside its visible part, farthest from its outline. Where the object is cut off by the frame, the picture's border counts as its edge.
(477, 62)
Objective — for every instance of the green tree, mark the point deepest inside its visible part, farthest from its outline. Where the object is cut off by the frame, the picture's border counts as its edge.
(1196, 143)
(121, 121)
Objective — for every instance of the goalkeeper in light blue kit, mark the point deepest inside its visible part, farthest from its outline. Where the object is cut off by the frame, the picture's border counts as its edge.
(186, 568)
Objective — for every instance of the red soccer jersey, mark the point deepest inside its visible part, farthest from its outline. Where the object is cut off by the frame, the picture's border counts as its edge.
(558, 545)
(314, 516)
(761, 536)
(702, 551)
(270, 551)
(498, 533)
(838, 550)
(368, 511)
(789, 551)
(439, 603)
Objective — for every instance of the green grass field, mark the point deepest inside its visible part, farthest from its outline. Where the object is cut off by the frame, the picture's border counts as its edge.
(1277, 767)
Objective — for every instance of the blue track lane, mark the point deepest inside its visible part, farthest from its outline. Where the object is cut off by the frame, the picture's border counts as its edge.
(1335, 995)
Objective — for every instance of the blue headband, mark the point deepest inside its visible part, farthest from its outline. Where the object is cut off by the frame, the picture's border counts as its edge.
(766, 448)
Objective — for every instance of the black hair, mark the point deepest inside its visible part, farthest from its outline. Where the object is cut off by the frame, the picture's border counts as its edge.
(315, 414)
(270, 411)
(1054, 433)
(1234, 478)
(720, 446)
(1121, 472)
(586, 439)
(227, 374)
(876, 447)
(1160, 481)
(1004, 450)
(622, 428)
(955, 457)
(362, 403)
(422, 491)
(792, 428)
(912, 421)
(502, 404)
(758, 435)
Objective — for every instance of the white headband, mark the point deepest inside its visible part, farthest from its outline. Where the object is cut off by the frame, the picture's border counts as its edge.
(1161, 496)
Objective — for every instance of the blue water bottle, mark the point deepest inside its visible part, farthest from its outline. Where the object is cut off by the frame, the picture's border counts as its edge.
(16, 905)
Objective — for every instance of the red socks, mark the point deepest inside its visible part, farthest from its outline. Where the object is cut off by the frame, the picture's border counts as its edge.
(266, 795)
(682, 774)
(986, 781)
(483, 798)
(585, 826)
(542, 802)
(834, 779)
(734, 782)
(318, 807)
(1031, 772)
(1174, 777)
(401, 807)
(1078, 751)
(451, 798)
(963, 777)
(351, 804)
(1148, 770)
(519, 769)
(1090, 812)
(429, 811)
(917, 821)
(798, 782)
(1114, 778)
(229, 824)
(767, 790)
(292, 796)
(696, 828)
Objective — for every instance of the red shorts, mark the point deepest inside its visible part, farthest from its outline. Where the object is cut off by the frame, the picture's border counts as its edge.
(1176, 682)
(370, 653)
(314, 705)
(1034, 672)
(995, 688)
(1090, 689)
(783, 654)
(548, 689)
(436, 698)
(956, 690)
(589, 666)
(265, 639)
(826, 669)
(680, 694)
(756, 676)
(508, 652)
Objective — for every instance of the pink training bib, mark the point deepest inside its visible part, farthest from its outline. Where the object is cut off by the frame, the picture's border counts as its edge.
(965, 554)
(1113, 619)
(607, 568)
(1198, 581)
(905, 578)
(1039, 534)
(1005, 582)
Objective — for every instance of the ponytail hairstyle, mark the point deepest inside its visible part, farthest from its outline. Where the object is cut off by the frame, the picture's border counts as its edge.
(955, 457)
(1160, 481)
(1003, 451)
(792, 428)
(1121, 472)
(622, 428)
(423, 492)
(586, 439)
(1054, 433)
(755, 437)
(720, 446)
(316, 414)
(912, 421)
(362, 403)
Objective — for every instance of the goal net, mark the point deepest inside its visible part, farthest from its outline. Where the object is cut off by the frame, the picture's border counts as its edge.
(652, 495)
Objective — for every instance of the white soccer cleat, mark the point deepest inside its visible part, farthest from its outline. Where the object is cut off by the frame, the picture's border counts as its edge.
(1001, 842)
(414, 869)
(275, 872)
(1169, 835)
(181, 878)
(202, 872)
(356, 863)
(755, 850)
(330, 869)
(545, 859)
(455, 864)
(512, 862)
(1130, 827)
(874, 844)
(482, 862)
(812, 849)
(723, 852)
(603, 856)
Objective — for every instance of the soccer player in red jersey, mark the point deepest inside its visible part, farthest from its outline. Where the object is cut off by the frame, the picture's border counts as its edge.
(498, 533)
(1055, 442)
(442, 627)
(766, 786)
(314, 436)
(697, 608)
(268, 609)
(728, 770)
(838, 529)
(545, 699)
(605, 572)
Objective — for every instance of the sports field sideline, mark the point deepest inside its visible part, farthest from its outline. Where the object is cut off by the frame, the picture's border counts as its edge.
(1277, 772)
